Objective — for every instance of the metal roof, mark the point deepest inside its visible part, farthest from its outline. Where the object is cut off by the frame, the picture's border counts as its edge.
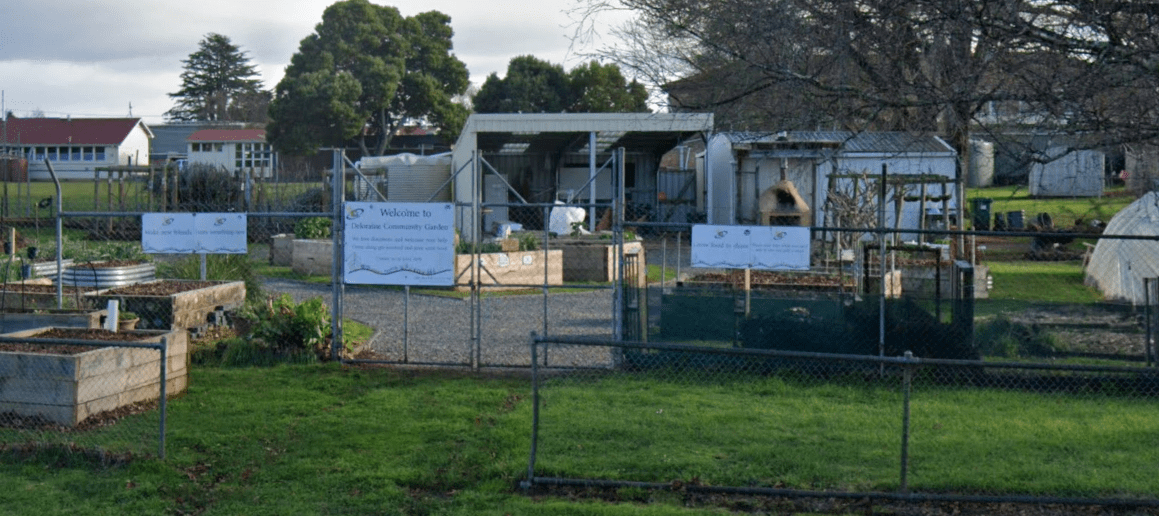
(848, 142)
(69, 131)
(228, 135)
(561, 133)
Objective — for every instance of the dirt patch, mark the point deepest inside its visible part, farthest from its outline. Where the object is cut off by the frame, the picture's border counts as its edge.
(160, 288)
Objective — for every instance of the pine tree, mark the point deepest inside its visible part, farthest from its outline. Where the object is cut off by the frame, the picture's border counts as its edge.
(219, 84)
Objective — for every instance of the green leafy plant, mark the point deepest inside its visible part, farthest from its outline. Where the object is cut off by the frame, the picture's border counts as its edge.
(528, 242)
(289, 330)
(312, 228)
(472, 248)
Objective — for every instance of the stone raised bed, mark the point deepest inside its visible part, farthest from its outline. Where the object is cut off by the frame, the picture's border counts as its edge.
(40, 293)
(282, 250)
(19, 320)
(592, 260)
(311, 257)
(523, 268)
(175, 304)
(67, 384)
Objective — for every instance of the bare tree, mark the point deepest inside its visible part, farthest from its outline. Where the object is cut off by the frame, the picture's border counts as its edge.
(1074, 67)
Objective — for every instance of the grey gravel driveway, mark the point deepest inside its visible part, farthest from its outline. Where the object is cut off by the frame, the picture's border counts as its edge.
(438, 329)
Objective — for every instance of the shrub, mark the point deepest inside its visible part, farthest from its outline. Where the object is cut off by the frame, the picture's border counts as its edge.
(312, 228)
(287, 330)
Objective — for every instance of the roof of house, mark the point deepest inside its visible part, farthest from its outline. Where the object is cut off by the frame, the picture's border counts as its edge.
(228, 135)
(69, 131)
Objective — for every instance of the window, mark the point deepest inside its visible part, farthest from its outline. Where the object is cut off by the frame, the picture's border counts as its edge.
(62, 153)
(88, 152)
(75, 153)
(100, 153)
(40, 154)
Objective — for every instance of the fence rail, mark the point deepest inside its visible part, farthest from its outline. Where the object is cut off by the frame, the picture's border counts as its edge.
(781, 423)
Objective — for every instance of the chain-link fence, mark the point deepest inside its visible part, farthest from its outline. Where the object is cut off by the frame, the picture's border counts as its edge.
(78, 392)
(718, 419)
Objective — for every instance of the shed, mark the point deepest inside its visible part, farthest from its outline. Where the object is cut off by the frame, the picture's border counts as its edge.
(522, 162)
(741, 167)
(1068, 174)
(1117, 267)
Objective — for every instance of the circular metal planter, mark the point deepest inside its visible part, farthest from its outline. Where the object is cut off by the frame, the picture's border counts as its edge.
(100, 276)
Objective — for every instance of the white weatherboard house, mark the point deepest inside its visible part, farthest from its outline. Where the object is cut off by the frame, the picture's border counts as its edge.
(740, 169)
(76, 147)
(233, 150)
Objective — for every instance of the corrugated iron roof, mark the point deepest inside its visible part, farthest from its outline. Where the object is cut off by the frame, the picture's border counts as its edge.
(228, 135)
(69, 131)
(851, 142)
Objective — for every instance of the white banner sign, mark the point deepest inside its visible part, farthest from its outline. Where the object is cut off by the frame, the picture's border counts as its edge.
(399, 243)
(193, 233)
(750, 247)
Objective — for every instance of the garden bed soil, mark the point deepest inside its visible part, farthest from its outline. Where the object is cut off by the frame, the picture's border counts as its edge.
(769, 280)
(39, 293)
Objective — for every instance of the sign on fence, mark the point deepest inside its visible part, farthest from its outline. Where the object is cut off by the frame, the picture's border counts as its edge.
(402, 243)
(750, 247)
(193, 233)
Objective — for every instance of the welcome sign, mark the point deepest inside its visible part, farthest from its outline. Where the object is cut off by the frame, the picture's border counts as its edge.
(402, 243)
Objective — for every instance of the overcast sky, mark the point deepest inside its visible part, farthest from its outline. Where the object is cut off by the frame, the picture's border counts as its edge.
(90, 58)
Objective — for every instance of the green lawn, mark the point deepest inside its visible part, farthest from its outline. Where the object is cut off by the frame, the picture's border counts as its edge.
(324, 439)
(1063, 211)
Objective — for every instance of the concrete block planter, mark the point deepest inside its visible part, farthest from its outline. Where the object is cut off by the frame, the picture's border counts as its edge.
(68, 388)
(592, 260)
(175, 304)
(282, 250)
(522, 268)
(312, 257)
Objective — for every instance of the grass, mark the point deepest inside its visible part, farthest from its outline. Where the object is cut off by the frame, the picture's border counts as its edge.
(325, 439)
(1063, 211)
(1057, 282)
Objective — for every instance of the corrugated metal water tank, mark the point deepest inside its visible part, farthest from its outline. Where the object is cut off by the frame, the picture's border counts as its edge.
(406, 177)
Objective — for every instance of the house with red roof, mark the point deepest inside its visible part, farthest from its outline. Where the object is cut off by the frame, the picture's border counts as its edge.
(234, 150)
(76, 147)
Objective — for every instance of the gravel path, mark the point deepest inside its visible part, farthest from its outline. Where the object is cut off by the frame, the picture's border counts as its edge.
(438, 329)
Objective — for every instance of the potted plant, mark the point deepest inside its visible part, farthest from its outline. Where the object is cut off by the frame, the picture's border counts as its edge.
(128, 321)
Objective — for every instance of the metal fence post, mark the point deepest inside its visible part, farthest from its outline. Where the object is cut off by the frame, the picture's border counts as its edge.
(907, 386)
(534, 412)
(164, 396)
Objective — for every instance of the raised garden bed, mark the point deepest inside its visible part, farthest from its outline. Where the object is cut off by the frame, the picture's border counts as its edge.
(175, 304)
(66, 384)
(18, 320)
(40, 293)
(519, 268)
(586, 259)
(108, 274)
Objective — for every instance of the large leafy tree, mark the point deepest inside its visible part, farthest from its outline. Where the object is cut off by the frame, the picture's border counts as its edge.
(536, 86)
(364, 72)
(219, 84)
